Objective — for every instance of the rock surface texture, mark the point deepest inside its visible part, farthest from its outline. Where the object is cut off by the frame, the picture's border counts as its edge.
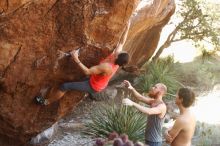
(32, 32)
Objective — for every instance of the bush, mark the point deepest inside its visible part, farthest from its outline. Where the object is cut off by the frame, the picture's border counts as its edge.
(161, 71)
(196, 75)
(121, 119)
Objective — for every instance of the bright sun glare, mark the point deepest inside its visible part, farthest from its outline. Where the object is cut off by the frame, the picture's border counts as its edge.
(207, 108)
(182, 52)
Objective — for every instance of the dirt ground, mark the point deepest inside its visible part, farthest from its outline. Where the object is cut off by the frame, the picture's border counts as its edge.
(69, 131)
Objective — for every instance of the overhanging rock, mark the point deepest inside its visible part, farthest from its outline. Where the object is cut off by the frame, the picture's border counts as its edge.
(32, 32)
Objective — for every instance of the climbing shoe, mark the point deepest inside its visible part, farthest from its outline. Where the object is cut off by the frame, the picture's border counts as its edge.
(40, 100)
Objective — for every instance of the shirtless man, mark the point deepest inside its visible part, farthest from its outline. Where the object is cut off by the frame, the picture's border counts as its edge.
(182, 131)
(156, 111)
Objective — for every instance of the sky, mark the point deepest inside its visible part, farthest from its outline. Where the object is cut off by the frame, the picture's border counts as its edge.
(214, 1)
(202, 110)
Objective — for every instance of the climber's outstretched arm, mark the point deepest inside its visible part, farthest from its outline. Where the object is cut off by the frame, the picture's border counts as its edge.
(98, 69)
(122, 40)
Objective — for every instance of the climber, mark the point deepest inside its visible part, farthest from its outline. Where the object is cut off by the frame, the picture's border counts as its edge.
(99, 75)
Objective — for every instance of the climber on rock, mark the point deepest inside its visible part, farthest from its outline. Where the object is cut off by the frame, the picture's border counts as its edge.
(99, 75)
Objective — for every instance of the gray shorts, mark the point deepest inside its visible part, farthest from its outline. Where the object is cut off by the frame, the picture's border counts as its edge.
(80, 86)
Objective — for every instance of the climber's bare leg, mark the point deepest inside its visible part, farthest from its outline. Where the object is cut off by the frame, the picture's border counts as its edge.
(54, 95)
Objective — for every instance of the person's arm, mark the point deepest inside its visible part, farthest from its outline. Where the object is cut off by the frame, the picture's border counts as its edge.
(137, 95)
(174, 131)
(168, 138)
(149, 111)
(122, 40)
(98, 69)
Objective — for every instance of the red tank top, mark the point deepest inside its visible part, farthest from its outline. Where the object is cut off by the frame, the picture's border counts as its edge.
(100, 82)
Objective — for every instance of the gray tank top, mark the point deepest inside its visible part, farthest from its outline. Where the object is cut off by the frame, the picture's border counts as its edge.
(153, 131)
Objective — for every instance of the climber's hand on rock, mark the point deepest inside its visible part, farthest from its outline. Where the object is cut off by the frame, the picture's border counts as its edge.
(75, 55)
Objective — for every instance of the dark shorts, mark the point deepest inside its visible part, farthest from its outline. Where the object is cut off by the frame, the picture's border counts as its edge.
(80, 86)
(153, 143)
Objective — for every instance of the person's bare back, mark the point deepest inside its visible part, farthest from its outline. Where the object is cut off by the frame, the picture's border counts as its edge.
(187, 122)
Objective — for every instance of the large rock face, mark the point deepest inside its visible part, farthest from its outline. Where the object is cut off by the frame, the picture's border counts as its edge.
(145, 32)
(32, 32)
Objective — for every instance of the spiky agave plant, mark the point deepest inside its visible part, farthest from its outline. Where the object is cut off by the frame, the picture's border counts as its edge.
(121, 119)
(161, 71)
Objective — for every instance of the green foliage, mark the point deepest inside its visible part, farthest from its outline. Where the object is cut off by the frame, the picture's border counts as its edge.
(199, 74)
(159, 72)
(197, 23)
(118, 118)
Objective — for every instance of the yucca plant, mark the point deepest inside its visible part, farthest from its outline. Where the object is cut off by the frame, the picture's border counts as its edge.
(159, 72)
(121, 119)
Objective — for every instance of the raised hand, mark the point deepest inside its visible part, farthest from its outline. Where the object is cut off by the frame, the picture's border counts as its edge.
(127, 102)
(75, 55)
(128, 84)
(168, 138)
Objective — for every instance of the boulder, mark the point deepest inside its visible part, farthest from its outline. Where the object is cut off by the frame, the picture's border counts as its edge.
(33, 31)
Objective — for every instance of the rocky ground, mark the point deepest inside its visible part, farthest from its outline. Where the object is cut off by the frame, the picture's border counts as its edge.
(68, 131)
(72, 126)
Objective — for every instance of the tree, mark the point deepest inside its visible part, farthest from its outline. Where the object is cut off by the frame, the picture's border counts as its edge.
(197, 23)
